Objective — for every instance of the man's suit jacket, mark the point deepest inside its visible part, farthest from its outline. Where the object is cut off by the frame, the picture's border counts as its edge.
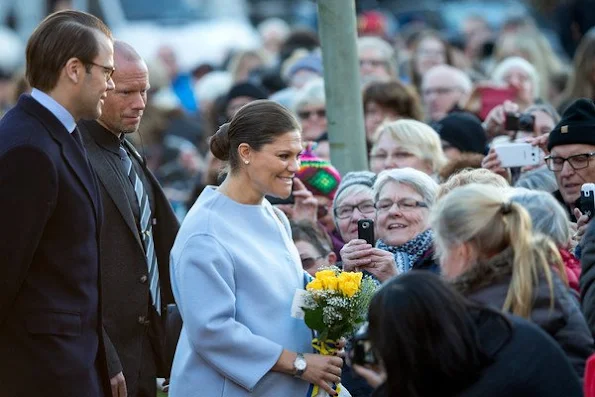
(50, 218)
(126, 297)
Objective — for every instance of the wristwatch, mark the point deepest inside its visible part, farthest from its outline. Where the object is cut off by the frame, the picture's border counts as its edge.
(299, 365)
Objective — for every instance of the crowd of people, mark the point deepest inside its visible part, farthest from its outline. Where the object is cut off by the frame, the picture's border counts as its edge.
(158, 221)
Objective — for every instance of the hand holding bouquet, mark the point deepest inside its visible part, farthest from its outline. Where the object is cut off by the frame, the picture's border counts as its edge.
(336, 304)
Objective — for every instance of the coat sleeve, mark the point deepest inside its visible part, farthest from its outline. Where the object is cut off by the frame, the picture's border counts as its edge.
(29, 190)
(587, 278)
(114, 366)
(574, 336)
(203, 281)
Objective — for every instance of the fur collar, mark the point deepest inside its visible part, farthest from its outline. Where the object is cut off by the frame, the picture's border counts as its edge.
(485, 273)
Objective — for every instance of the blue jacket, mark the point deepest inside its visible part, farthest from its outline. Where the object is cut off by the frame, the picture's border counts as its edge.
(234, 272)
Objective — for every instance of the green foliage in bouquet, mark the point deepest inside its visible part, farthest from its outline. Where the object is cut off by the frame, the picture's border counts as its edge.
(336, 302)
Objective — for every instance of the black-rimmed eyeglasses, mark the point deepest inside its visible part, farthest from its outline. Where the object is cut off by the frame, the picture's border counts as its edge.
(577, 162)
(346, 211)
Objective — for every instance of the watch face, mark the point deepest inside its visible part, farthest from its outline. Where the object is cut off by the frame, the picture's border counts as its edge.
(300, 364)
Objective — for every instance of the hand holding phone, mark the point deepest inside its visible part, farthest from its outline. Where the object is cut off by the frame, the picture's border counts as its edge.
(587, 200)
(365, 231)
(518, 154)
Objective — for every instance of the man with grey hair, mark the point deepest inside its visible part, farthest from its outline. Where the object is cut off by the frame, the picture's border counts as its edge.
(138, 233)
(376, 59)
(444, 88)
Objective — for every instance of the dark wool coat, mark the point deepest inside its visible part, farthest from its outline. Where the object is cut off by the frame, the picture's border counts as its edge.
(487, 282)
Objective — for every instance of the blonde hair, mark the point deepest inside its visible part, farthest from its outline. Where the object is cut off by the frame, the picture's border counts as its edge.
(468, 176)
(415, 137)
(238, 61)
(483, 216)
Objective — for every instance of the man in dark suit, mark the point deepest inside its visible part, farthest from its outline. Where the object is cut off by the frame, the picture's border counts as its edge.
(136, 238)
(50, 212)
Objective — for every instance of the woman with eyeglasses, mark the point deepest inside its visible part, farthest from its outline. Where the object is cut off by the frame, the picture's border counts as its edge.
(407, 143)
(402, 200)
(310, 107)
(428, 50)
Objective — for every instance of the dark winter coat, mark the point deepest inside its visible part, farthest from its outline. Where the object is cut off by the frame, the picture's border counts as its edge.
(487, 282)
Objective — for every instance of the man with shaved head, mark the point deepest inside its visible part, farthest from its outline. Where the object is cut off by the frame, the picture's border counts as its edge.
(138, 233)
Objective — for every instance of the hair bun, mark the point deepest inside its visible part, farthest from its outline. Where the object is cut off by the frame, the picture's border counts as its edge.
(219, 143)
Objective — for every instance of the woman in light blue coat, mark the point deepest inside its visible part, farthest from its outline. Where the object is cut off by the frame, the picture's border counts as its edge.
(235, 270)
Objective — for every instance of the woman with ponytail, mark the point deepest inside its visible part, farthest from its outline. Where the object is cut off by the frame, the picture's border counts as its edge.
(488, 251)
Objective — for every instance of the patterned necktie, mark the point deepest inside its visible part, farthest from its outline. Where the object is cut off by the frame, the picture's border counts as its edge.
(146, 229)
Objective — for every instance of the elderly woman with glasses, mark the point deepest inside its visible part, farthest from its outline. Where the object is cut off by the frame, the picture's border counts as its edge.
(402, 199)
(354, 200)
(310, 107)
(407, 143)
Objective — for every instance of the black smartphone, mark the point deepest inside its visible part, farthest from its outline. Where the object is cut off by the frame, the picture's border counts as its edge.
(587, 200)
(365, 231)
(276, 200)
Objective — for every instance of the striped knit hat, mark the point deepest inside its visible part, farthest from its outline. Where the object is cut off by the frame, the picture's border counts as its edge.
(319, 176)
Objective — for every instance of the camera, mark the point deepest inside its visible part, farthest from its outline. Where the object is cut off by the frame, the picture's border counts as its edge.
(519, 122)
(362, 352)
(587, 200)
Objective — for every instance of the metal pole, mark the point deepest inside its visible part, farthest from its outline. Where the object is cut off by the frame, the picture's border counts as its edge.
(344, 109)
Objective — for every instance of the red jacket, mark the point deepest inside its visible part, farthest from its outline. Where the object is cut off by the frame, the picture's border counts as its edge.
(573, 269)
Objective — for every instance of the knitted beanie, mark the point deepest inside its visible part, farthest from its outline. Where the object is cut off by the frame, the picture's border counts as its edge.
(463, 131)
(309, 62)
(319, 176)
(365, 178)
(577, 125)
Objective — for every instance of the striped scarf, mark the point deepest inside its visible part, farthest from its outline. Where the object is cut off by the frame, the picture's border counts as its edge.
(407, 255)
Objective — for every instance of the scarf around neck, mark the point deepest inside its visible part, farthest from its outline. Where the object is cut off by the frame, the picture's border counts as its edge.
(406, 255)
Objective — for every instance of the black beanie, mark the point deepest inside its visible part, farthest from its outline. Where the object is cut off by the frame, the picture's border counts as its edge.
(577, 125)
(463, 131)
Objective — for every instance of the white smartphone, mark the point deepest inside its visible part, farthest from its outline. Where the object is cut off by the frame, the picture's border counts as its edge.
(518, 154)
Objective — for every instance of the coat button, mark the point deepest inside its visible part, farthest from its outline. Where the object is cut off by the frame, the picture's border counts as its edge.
(143, 279)
(142, 320)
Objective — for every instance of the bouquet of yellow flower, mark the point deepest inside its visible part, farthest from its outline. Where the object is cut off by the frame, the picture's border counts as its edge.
(335, 305)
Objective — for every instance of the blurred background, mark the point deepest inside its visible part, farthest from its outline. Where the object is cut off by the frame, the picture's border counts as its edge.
(209, 57)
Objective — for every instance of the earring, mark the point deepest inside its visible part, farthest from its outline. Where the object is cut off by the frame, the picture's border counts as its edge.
(246, 162)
